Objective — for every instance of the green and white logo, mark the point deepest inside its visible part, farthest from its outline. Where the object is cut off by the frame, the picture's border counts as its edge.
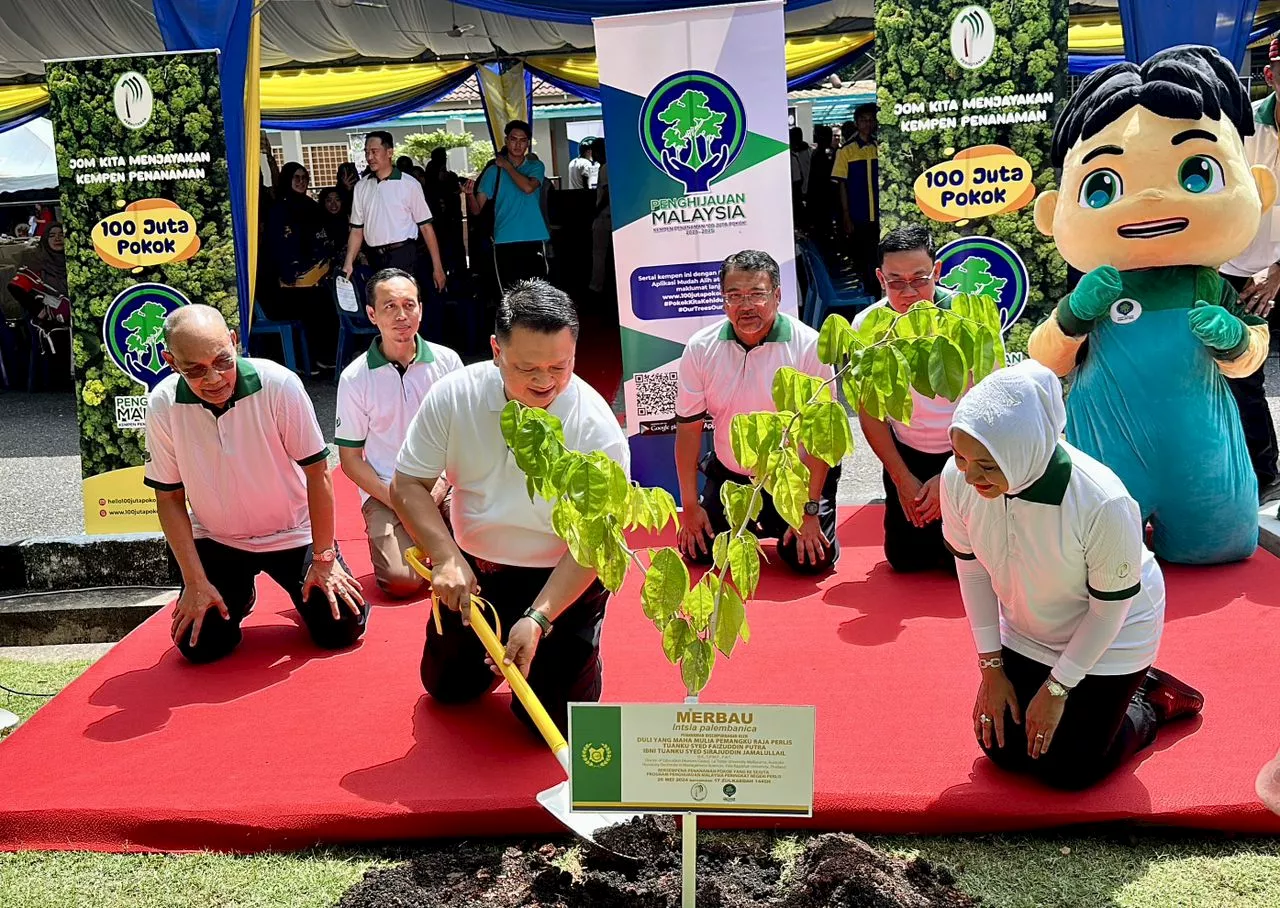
(973, 37)
(692, 126)
(133, 331)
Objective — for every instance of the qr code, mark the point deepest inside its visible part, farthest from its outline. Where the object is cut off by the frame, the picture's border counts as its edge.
(656, 393)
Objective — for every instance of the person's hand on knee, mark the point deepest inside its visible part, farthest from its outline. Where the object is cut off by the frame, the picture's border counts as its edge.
(332, 579)
(811, 545)
(189, 611)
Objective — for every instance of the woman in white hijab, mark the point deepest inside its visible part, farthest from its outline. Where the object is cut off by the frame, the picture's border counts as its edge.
(1065, 602)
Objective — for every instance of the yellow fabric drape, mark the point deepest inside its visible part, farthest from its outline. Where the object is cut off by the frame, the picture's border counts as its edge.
(300, 91)
(505, 98)
(1095, 34)
(253, 151)
(17, 101)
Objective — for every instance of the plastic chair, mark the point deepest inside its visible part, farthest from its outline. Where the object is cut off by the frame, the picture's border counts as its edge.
(352, 326)
(39, 358)
(828, 294)
(292, 340)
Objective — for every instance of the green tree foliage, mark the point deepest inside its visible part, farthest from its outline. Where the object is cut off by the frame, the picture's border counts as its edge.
(187, 117)
(688, 119)
(914, 63)
(936, 351)
(420, 145)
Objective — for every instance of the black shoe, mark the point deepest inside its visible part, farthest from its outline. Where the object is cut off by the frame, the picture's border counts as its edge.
(1169, 697)
(1269, 492)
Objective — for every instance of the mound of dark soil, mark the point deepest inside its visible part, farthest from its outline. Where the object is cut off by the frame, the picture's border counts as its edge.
(835, 870)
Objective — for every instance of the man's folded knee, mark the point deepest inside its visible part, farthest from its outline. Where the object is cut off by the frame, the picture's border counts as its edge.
(791, 558)
(210, 646)
(327, 633)
(400, 585)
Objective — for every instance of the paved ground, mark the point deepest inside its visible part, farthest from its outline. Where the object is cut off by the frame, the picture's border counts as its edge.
(40, 462)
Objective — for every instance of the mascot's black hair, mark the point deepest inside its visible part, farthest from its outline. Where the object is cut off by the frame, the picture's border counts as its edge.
(1181, 83)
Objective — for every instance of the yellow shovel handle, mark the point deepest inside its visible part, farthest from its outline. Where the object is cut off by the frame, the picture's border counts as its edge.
(493, 646)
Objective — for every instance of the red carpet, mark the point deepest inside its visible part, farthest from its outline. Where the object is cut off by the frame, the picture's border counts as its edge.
(283, 746)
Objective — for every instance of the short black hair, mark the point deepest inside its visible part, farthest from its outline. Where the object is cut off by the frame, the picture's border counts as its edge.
(382, 136)
(381, 277)
(518, 124)
(404, 163)
(538, 306)
(868, 108)
(1181, 83)
(906, 239)
(751, 260)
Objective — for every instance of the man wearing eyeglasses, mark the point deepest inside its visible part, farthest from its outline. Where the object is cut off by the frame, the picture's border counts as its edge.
(728, 368)
(238, 439)
(913, 455)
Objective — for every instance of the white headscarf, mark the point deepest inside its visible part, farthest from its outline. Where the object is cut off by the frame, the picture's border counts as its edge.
(1018, 415)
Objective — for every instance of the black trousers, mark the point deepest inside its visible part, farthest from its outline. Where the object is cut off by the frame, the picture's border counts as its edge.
(1102, 725)
(518, 262)
(907, 547)
(233, 572)
(566, 667)
(770, 524)
(1255, 416)
(864, 251)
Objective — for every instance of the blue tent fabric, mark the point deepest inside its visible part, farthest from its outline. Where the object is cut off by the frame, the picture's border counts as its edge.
(376, 114)
(581, 12)
(223, 25)
(1150, 26)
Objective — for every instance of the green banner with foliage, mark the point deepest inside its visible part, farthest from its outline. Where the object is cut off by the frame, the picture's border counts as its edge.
(146, 206)
(968, 97)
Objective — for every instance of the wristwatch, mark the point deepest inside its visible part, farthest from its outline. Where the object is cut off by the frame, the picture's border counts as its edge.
(811, 508)
(1054, 688)
(326, 556)
(539, 619)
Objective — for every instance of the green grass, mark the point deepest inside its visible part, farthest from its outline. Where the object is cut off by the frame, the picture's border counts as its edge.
(1095, 869)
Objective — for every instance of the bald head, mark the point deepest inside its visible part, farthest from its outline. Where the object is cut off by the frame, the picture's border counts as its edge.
(199, 345)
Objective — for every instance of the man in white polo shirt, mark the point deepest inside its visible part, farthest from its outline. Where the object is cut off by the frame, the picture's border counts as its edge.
(913, 455)
(502, 545)
(378, 395)
(238, 440)
(728, 368)
(388, 211)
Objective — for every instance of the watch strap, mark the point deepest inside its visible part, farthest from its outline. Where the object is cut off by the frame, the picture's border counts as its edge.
(539, 619)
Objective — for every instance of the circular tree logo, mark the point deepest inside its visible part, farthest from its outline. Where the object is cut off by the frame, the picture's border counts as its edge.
(692, 126)
(973, 37)
(133, 331)
(983, 266)
(730, 790)
(133, 100)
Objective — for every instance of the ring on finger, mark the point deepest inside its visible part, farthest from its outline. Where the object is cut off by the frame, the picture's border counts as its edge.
(984, 719)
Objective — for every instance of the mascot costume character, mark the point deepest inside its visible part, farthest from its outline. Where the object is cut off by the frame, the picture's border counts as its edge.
(1156, 193)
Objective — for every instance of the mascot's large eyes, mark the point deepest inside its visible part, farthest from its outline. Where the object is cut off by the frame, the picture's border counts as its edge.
(1201, 174)
(1100, 189)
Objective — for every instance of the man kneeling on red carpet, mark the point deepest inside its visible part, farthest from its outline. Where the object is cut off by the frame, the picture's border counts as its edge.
(238, 439)
(503, 546)
(726, 369)
(1065, 602)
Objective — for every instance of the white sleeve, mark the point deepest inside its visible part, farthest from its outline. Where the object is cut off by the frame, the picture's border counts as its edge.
(356, 218)
(1113, 551)
(296, 422)
(1095, 634)
(426, 445)
(352, 427)
(955, 529)
(618, 450)
(980, 604)
(418, 204)
(161, 460)
(691, 397)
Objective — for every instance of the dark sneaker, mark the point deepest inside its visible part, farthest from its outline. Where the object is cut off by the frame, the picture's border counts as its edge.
(1269, 493)
(1171, 698)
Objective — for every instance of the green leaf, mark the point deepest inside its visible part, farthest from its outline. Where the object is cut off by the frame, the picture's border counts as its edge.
(825, 431)
(676, 637)
(612, 560)
(987, 311)
(917, 355)
(701, 601)
(663, 506)
(984, 356)
(720, 551)
(512, 416)
(737, 498)
(790, 488)
(920, 321)
(753, 434)
(834, 339)
(695, 667)
(744, 563)
(876, 325)
(730, 620)
(947, 369)
(898, 403)
(793, 389)
(665, 585)
(590, 488)
(565, 520)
